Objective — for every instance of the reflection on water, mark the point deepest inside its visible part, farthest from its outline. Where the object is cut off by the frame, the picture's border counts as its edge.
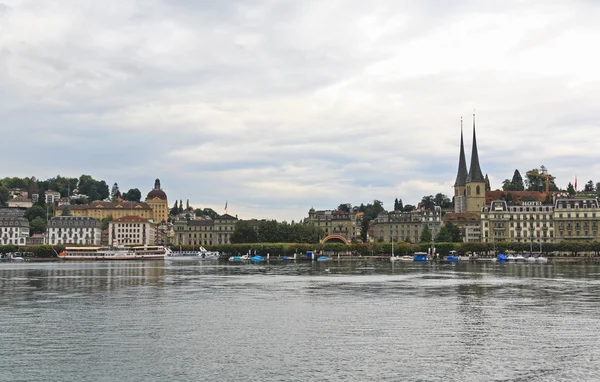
(351, 321)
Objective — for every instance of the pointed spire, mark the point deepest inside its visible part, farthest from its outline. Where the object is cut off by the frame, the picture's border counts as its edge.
(461, 177)
(475, 174)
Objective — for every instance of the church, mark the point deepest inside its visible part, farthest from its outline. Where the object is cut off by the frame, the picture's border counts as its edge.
(469, 187)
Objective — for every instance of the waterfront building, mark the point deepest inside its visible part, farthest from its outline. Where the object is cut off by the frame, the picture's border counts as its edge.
(469, 187)
(469, 224)
(14, 228)
(19, 202)
(100, 210)
(224, 227)
(131, 230)
(406, 226)
(36, 239)
(528, 222)
(78, 230)
(194, 232)
(576, 219)
(157, 200)
(336, 223)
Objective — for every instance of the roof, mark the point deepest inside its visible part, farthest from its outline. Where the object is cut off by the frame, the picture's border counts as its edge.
(458, 217)
(129, 219)
(461, 176)
(110, 205)
(475, 174)
(517, 196)
(160, 194)
(19, 199)
(201, 222)
(226, 217)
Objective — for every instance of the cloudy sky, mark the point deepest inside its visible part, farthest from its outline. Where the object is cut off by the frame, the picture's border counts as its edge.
(280, 106)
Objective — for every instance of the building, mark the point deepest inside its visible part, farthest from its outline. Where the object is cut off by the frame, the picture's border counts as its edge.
(194, 232)
(576, 219)
(14, 192)
(157, 200)
(52, 196)
(406, 226)
(100, 210)
(223, 228)
(528, 222)
(36, 239)
(78, 230)
(336, 222)
(131, 230)
(469, 224)
(19, 202)
(469, 187)
(14, 229)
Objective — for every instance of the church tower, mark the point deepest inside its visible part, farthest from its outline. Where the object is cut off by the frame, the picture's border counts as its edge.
(475, 183)
(460, 186)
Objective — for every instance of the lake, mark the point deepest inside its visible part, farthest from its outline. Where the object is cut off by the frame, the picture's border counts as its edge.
(348, 321)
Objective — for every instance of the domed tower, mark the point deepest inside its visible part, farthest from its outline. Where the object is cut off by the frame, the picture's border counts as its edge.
(157, 200)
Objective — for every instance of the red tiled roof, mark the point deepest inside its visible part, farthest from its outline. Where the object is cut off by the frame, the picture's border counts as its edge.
(516, 195)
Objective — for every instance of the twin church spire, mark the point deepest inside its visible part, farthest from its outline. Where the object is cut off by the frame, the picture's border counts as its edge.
(474, 175)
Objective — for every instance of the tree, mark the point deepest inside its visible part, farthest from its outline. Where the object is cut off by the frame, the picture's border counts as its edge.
(114, 192)
(105, 222)
(454, 231)
(589, 186)
(244, 233)
(34, 212)
(488, 187)
(4, 195)
(364, 229)
(344, 207)
(205, 212)
(506, 186)
(536, 183)
(426, 235)
(180, 209)
(571, 189)
(442, 200)
(175, 210)
(516, 184)
(133, 195)
(428, 202)
(37, 225)
(444, 236)
(409, 208)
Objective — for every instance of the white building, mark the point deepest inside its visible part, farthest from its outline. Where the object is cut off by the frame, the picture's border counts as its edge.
(52, 196)
(131, 230)
(81, 230)
(14, 229)
(530, 221)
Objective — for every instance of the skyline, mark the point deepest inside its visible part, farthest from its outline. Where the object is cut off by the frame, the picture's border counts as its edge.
(276, 108)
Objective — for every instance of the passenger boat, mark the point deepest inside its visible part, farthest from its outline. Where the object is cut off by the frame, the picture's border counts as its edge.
(201, 254)
(146, 252)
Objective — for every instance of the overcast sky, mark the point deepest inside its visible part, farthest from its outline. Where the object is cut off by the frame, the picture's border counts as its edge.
(280, 106)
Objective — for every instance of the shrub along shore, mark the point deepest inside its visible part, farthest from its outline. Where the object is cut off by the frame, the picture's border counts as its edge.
(565, 248)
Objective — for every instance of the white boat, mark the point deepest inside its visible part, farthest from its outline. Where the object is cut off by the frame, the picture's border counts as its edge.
(201, 254)
(145, 252)
(405, 258)
(511, 258)
(530, 259)
(519, 257)
(15, 258)
(541, 259)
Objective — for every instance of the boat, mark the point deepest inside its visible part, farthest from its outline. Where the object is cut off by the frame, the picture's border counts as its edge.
(541, 259)
(510, 258)
(420, 256)
(238, 258)
(502, 257)
(519, 257)
(323, 258)
(145, 252)
(453, 256)
(13, 257)
(530, 259)
(256, 259)
(201, 254)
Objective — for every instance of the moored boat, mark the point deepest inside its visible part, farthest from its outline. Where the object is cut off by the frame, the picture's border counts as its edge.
(201, 254)
(420, 256)
(145, 252)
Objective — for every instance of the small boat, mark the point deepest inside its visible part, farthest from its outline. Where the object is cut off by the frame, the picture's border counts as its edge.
(511, 258)
(519, 257)
(502, 257)
(15, 257)
(323, 258)
(530, 259)
(256, 259)
(541, 259)
(420, 256)
(453, 256)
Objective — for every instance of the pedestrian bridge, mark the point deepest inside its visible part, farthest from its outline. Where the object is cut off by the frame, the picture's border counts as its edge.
(334, 239)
